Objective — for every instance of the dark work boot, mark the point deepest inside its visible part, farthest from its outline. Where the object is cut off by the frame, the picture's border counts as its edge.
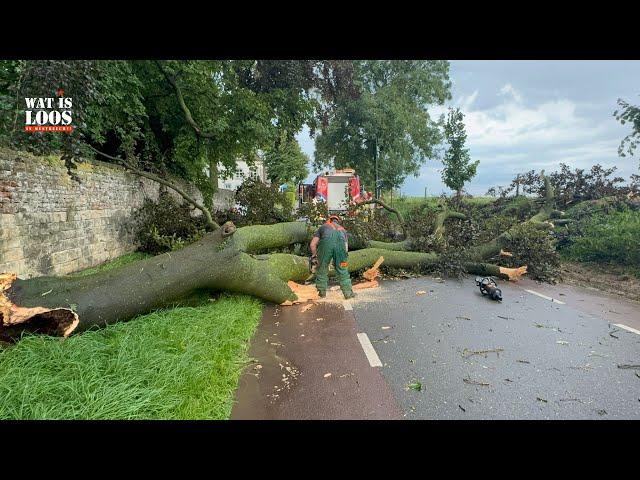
(322, 294)
(349, 295)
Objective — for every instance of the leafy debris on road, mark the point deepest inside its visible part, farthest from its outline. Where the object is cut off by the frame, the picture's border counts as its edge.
(585, 367)
(380, 339)
(417, 386)
(594, 354)
(631, 367)
(602, 412)
(523, 361)
(562, 342)
(463, 318)
(474, 382)
(611, 334)
(327, 375)
(306, 307)
(421, 292)
(542, 400)
(469, 353)
(555, 329)
(461, 408)
(637, 374)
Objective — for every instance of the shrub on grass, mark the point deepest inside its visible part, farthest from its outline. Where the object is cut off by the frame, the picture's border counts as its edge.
(612, 238)
(166, 225)
(536, 248)
(258, 204)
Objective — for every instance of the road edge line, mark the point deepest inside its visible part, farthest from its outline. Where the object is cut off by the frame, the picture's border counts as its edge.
(629, 329)
(369, 351)
(532, 292)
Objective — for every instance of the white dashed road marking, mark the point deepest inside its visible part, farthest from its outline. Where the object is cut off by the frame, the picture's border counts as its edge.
(627, 328)
(369, 351)
(544, 296)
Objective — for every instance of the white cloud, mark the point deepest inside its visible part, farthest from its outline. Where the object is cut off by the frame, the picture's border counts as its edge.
(507, 90)
(511, 124)
(466, 102)
(514, 136)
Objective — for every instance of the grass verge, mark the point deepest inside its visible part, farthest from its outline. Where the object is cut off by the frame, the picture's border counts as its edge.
(405, 204)
(182, 363)
(610, 238)
(110, 265)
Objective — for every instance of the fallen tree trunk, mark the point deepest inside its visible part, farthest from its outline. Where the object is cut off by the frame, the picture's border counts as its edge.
(219, 261)
(224, 260)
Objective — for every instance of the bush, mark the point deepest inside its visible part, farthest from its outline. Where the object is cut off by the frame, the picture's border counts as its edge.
(420, 229)
(314, 212)
(536, 248)
(605, 238)
(258, 204)
(166, 225)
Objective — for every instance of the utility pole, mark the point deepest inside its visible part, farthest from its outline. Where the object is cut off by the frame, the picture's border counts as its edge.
(375, 153)
(425, 193)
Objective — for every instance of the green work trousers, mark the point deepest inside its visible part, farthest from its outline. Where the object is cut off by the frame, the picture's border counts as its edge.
(333, 248)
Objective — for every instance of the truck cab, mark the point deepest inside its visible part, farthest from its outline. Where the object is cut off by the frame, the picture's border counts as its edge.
(337, 189)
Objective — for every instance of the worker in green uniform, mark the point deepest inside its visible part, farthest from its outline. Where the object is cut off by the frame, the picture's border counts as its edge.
(330, 243)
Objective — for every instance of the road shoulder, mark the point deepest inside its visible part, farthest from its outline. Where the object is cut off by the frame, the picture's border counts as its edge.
(309, 364)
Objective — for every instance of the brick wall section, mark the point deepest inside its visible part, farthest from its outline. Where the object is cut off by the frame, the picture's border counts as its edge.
(52, 225)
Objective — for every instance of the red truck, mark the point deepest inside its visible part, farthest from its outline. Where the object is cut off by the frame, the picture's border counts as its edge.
(337, 188)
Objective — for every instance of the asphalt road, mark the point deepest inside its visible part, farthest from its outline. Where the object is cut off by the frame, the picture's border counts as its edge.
(308, 364)
(551, 360)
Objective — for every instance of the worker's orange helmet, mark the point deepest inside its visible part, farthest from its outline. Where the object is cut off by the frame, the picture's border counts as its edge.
(335, 218)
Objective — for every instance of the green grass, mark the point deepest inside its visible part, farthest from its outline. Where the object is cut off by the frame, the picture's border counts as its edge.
(611, 238)
(110, 265)
(182, 363)
(405, 204)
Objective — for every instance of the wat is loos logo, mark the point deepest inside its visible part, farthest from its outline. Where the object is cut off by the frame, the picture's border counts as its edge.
(49, 114)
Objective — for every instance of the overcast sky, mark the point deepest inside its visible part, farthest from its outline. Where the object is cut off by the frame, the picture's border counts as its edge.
(523, 115)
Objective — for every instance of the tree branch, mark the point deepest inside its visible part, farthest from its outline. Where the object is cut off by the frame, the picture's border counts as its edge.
(443, 216)
(388, 208)
(205, 211)
(187, 113)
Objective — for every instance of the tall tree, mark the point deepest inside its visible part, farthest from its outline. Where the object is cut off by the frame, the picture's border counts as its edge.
(380, 109)
(458, 167)
(157, 118)
(285, 161)
(628, 114)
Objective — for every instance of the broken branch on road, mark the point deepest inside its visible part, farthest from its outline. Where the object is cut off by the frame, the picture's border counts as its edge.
(466, 353)
(475, 382)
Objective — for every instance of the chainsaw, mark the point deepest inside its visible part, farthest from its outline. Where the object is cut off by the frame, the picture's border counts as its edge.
(313, 263)
(488, 286)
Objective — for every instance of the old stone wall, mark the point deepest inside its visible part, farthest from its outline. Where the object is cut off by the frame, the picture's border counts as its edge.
(53, 225)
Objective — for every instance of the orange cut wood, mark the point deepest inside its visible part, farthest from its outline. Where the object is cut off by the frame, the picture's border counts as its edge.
(363, 285)
(373, 272)
(303, 292)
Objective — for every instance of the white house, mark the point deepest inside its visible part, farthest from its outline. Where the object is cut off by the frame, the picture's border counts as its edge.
(242, 172)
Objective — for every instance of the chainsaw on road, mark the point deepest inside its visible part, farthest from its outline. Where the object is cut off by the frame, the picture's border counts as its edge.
(488, 286)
